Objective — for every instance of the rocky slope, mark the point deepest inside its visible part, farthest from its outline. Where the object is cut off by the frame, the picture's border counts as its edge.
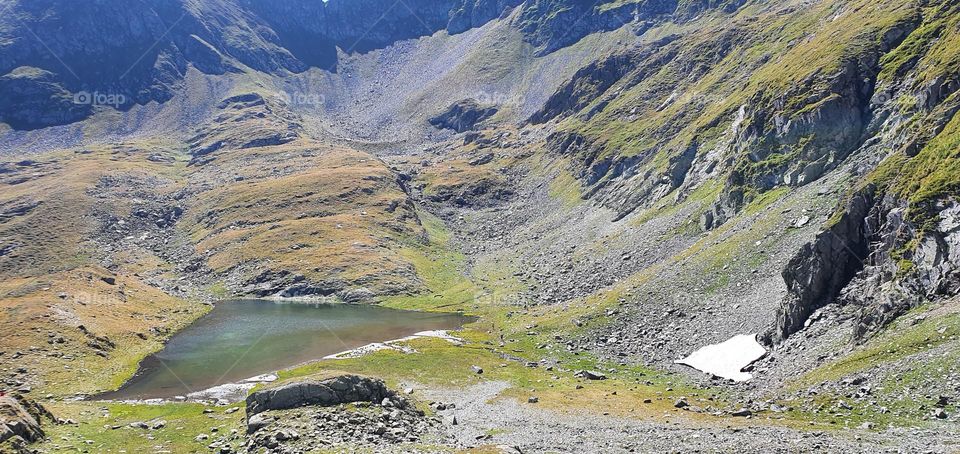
(618, 183)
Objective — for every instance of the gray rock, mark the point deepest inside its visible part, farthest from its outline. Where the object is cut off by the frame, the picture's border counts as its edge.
(257, 422)
(329, 392)
(286, 434)
(20, 418)
(590, 375)
(463, 116)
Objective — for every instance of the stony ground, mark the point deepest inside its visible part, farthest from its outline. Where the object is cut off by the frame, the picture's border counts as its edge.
(483, 419)
(477, 417)
(357, 426)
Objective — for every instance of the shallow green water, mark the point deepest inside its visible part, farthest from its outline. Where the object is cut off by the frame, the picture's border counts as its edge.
(241, 339)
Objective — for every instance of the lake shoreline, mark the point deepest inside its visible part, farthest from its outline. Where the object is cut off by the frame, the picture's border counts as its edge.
(229, 393)
(234, 390)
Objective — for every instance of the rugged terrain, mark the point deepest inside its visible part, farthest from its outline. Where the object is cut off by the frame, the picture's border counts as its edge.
(608, 186)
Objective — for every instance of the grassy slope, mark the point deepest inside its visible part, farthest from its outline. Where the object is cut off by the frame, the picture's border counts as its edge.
(919, 346)
(341, 209)
(57, 258)
(441, 271)
(105, 428)
(328, 213)
(754, 58)
(439, 363)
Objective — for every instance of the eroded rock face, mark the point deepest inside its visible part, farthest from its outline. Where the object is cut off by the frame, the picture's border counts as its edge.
(325, 393)
(868, 261)
(463, 116)
(574, 20)
(266, 122)
(822, 268)
(908, 265)
(21, 418)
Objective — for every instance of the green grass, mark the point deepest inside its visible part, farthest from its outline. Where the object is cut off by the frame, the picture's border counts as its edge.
(107, 427)
(701, 197)
(219, 291)
(900, 399)
(897, 342)
(440, 270)
(567, 189)
(782, 60)
(439, 363)
(932, 175)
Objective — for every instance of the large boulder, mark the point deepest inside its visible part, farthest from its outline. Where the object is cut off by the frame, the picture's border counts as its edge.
(21, 418)
(328, 392)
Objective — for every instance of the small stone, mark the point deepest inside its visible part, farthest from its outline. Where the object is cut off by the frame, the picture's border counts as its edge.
(258, 422)
(681, 403)
(532, 400)
(286, 434)
(590, 375)
(477, 370)
(801, 222)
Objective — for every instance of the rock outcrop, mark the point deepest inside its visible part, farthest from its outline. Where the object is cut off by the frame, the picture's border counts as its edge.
(265, 122)
(20, 421)
(463, 116)
(332, 391)
(823, 267)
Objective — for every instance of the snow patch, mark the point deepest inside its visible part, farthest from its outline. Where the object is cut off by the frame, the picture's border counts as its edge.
(394, 345)
(727, 359)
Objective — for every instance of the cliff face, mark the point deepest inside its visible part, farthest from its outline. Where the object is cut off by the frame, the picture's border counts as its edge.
(140, 51)
(818, 273)
(54, 52)
(895, 245)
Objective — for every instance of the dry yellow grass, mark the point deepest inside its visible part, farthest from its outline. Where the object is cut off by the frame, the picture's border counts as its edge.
(52, 282)
(332, 214)
(325, 212)
(458, 178)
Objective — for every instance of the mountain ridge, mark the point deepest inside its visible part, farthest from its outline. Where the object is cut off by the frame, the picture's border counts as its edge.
(607, 187)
